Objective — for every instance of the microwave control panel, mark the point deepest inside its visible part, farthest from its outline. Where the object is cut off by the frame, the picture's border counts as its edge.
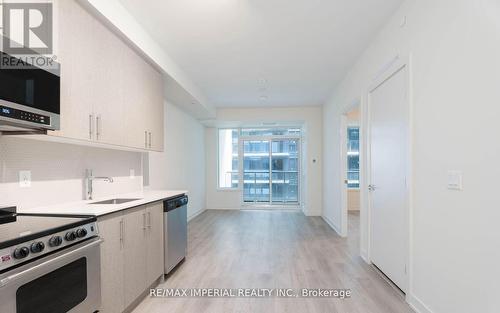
(24, 115)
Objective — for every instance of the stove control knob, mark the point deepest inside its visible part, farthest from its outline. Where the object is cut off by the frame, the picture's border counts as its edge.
(21, 253)
(82, 232)
(37, 247)
(70, 236)
(55, 241)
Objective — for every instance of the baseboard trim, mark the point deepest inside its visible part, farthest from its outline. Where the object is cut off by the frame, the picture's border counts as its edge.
(417, 305)
(224, 209)
(330, 223)
(195, 215)
(309, 214)
(364, 256)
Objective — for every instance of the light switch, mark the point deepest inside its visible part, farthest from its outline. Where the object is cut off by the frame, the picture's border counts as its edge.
(455, 180)
(24, 179)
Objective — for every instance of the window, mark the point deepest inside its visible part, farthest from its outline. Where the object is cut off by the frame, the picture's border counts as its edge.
(270, 163)
(353, 157)
(228, 158)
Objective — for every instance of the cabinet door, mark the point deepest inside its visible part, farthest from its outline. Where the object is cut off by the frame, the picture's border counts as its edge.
(133, 100)
(155, 244)
(107, 95)
(76, 56)
(135, 253)
(112, 263)
(157, 111)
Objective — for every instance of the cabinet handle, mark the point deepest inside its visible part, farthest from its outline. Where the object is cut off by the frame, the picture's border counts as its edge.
(121, 232)
(98, 127)
(144, 221)
(149, 220)
(146, 138)
(149, 139)
(91, 119)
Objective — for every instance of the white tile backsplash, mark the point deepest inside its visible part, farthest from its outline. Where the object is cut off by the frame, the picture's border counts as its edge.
(58, 170)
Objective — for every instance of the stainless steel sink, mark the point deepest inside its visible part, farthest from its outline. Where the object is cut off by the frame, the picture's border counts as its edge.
(114, 201)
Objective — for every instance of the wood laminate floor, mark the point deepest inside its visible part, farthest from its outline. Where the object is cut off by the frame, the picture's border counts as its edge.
(274, 249)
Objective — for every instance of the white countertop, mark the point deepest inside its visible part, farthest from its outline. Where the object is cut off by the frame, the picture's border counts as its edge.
(85, 208)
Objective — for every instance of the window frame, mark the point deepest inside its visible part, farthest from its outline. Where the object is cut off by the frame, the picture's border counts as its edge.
(219, 188)
(240, 186)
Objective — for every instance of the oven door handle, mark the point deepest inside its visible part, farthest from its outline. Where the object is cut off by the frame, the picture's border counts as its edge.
(4, 282)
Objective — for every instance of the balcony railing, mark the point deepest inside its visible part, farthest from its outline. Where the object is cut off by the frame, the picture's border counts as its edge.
(257, 185)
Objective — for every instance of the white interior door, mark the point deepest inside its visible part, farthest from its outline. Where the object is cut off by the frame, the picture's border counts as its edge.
(389, 129)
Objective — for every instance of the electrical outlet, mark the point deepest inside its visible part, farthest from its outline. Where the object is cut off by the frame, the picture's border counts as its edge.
(455, 180)
(24, 179)
(132, 173)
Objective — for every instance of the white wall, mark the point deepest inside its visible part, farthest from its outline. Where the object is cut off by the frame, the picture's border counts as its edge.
(353, 200)
(182, 164)
(455, 48)
(309, 117)
(58, 171)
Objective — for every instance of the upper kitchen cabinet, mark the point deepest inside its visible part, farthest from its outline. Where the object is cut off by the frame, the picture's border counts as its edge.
(144, 103)
(107, 97)
(109, 93)
(154, 103)
(76, 76)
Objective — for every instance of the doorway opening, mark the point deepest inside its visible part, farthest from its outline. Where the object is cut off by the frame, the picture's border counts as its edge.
(351, 152)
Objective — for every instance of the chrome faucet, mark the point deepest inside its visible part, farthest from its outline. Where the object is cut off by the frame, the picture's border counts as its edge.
(89, 178)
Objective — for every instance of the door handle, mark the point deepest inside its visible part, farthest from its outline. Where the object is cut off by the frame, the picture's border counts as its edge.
(372, 187)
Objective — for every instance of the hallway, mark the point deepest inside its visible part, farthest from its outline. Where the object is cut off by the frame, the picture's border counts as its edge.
(274, 249)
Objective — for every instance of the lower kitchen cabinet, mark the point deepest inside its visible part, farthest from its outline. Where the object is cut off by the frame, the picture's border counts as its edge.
(134, 238)
(131, 255)
(155, 247)
(112, 263)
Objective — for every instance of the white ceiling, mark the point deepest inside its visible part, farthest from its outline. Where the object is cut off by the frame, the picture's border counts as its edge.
(263, 52)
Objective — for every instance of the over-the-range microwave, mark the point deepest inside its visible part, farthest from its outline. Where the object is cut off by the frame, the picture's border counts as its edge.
(29, 97)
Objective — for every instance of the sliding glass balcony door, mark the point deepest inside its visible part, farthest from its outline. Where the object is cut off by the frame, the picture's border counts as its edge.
(256, 184)
(271, 171)
(285, 171)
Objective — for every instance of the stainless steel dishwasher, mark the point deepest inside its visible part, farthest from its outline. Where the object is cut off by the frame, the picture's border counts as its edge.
(175, 221)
